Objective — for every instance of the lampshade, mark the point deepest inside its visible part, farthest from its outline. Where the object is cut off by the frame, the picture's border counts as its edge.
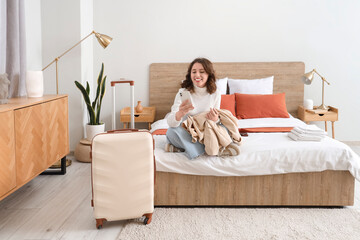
(308, 77)
(103, 39)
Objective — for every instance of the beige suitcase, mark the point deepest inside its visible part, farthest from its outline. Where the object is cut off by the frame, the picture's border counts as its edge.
(123, 175)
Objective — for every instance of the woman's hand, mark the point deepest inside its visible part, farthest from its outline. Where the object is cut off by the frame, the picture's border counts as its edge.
(213, 115)
(184, 108)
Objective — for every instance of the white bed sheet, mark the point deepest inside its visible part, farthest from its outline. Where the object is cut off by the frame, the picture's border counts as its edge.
(263, 154)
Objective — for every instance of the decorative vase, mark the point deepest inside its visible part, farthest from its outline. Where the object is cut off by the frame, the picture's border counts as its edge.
(138, 107)
(34, 83)
(92, 130)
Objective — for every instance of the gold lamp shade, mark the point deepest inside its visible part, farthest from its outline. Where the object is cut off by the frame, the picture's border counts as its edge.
(308, 77)
(103, 39)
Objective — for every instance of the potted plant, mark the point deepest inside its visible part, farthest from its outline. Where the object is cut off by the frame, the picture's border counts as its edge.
(94, 126)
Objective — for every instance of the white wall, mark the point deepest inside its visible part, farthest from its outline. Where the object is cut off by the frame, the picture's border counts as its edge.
(87, 53)
(323, 34)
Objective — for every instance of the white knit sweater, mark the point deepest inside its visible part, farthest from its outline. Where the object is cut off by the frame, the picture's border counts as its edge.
(202, 101)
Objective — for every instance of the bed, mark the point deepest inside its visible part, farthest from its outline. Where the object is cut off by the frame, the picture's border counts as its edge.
(315, 188)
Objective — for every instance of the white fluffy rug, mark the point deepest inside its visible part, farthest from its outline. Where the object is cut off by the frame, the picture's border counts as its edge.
(247, 223)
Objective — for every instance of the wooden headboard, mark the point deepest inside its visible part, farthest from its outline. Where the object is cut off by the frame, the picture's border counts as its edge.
(165, 79)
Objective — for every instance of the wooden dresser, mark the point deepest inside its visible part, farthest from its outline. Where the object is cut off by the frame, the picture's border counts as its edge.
(34, 134)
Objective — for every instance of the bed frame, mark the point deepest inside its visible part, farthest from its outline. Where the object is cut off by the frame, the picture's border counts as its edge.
(328, 188)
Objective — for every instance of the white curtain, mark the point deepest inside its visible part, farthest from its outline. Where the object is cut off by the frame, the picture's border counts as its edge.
(2, 35)
(12, 45)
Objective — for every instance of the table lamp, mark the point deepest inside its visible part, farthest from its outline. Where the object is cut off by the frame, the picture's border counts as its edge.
(307, 79)
(103, 40)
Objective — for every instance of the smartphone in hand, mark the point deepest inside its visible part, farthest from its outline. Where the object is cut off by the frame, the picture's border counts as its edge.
(185, 95)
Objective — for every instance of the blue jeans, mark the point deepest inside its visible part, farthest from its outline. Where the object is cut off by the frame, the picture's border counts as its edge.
(180, 138)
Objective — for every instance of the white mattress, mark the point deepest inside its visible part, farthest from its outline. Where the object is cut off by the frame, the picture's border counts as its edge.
(262, 154)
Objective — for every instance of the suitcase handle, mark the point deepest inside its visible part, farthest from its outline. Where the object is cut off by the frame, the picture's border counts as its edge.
(123, 130)
(115, 82)
(132, 120)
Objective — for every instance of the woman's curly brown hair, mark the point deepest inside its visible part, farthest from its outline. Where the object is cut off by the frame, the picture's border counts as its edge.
(209, 69)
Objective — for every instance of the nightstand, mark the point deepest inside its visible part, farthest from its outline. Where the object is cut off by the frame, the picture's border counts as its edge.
(307, 116)
(147, 115)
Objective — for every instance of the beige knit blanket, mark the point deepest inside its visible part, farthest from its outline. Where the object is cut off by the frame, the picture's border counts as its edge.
(214, 136)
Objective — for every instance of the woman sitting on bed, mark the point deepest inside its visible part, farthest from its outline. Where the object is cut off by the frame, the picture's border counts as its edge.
(200, 82)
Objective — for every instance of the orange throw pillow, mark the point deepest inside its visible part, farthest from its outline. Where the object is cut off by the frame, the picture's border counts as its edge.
(261, 106)
(228, 103)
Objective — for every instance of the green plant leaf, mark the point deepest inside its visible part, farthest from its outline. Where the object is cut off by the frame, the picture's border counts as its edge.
(87, 88)
(91, 114)
(83, 91)
(103, 87)
(100, 79)
(97, 94)
(102, 93)
(87, 101)
(94, 107)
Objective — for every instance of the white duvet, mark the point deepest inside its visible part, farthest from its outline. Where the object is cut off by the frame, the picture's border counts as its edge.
(262, 154)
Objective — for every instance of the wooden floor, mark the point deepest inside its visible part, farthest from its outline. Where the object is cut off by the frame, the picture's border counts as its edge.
(58, 207)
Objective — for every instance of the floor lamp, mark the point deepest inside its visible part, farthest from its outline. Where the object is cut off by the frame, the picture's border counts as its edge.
(104, 41)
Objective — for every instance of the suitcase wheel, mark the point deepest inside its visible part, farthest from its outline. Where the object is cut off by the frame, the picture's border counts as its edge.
(148, 218)
(99, 223)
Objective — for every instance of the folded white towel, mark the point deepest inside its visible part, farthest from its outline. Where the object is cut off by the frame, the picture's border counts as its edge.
(300, 133)
(308, 129)
(304, 137)
(307, 133)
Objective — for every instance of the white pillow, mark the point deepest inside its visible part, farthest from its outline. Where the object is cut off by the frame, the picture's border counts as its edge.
(251, 86)
(221, 85)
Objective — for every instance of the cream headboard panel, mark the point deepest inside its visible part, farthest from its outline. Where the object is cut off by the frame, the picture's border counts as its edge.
(165, 79)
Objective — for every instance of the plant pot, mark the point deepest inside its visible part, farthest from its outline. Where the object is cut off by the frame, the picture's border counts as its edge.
(92, 130)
